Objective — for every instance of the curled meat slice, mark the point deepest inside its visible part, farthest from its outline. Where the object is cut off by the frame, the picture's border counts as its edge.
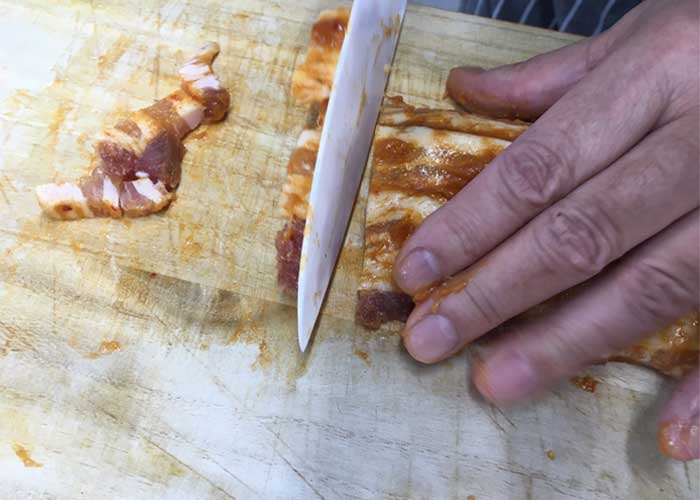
(199, 80)
(147, 144)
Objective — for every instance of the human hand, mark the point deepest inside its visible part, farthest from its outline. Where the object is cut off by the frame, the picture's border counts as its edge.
(608, 174)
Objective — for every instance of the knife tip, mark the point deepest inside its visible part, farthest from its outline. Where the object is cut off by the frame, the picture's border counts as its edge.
(303, 345)
(304, 331)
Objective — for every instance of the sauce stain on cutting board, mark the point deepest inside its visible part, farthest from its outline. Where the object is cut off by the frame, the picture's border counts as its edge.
(189, 245)
(116, 51)
(363, 355)
(23, 454)
(272, 327)
(105, 349)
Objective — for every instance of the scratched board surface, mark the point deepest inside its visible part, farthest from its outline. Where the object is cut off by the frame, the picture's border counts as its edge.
(155, 358)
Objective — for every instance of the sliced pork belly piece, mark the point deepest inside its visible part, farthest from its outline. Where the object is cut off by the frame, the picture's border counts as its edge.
(294, 203)
(313, 79)
(147, 144)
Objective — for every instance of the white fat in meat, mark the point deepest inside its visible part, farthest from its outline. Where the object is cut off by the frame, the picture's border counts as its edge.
(188, 109)
(194, 71)
(63, 201)
(148, 190)
(208, 82)
(309, 139)
(110, 194)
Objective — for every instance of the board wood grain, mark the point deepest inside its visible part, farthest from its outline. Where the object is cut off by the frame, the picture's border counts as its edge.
(155, 358)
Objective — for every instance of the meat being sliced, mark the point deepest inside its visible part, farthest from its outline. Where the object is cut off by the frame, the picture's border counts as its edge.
(313, 79)
(294, 202)
(147, 144)
(300, 168)
(421, 159)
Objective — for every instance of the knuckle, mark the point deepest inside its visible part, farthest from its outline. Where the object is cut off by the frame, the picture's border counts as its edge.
(597, 48)
(576, 239)
(521, 73)
(534, 175)
(563, 354)
(462, 234)
(653, 291)
(481, 306)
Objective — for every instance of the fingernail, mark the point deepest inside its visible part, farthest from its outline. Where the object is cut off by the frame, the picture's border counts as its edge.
(680, 439)
(431, 339)
(417, 270)
(504, 378)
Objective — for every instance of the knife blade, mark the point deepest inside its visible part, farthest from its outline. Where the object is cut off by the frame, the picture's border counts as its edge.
(351, 117)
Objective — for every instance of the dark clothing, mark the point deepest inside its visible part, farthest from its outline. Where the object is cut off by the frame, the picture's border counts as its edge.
(584, 17)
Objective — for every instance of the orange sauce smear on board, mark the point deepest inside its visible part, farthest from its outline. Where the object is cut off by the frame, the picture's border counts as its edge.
(363, 355)
(23, 455)
(105, 349)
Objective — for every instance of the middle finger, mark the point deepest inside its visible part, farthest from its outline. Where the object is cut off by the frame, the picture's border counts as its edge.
(640, 194)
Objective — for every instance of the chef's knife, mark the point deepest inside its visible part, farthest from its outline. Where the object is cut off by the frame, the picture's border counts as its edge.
(351, 116)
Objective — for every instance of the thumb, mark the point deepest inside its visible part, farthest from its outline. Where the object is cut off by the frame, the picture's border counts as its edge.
(679, 425)
(526, 90)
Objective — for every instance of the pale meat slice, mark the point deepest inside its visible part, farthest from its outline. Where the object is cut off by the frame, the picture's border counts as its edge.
(145, 144)
(313, 79)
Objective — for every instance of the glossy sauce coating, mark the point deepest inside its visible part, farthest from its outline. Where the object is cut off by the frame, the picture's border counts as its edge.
(330, 32)
(585, 382)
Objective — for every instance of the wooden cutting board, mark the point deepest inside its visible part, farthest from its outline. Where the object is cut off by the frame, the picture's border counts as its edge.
(155, 358)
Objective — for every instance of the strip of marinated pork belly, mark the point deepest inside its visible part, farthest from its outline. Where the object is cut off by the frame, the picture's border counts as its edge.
(300, 168)
(397, 113)
(421, 159)
(294, 203)
(145, 144)
(313, 79)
